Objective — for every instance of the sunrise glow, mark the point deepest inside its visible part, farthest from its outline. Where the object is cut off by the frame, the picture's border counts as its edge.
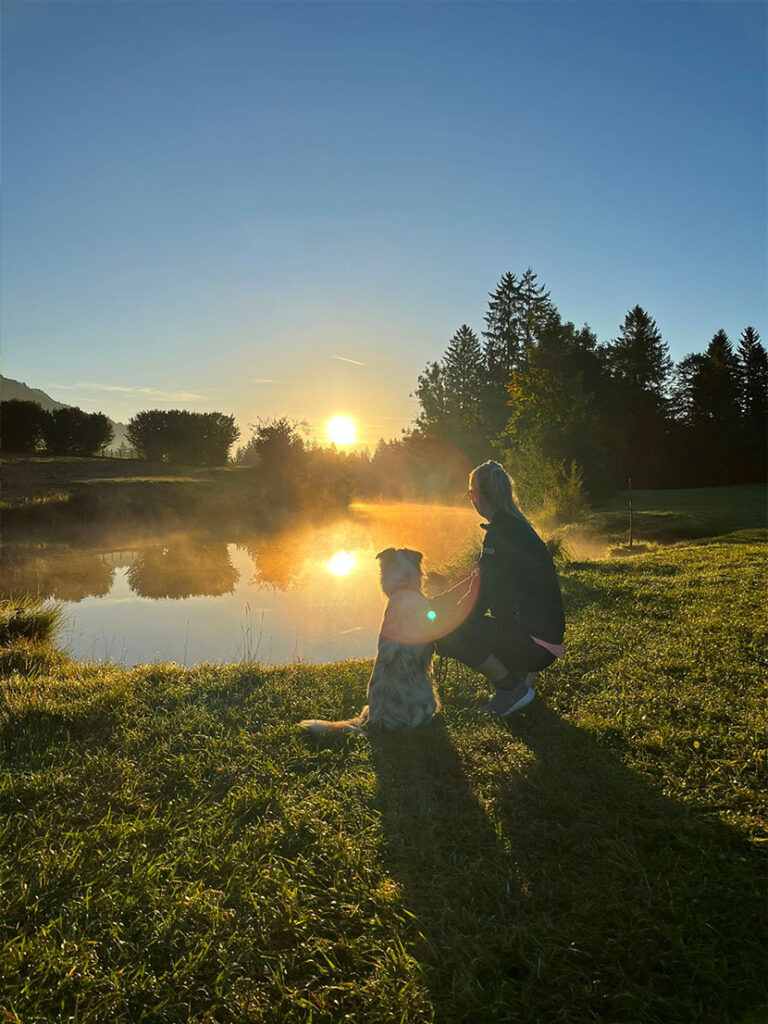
(341, 564)
(342, 430)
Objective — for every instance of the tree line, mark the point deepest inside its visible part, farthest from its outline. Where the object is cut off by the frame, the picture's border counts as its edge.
(296, 472)
(574, 419)
(571, 418)
(26, 427)
(174, 436)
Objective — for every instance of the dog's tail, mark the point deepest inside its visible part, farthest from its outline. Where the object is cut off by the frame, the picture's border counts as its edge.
(318, 726)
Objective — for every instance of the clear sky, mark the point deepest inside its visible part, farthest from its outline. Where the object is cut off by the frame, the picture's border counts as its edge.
(289, 208)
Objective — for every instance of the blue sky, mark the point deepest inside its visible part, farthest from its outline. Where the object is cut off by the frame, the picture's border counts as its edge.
(206, 204)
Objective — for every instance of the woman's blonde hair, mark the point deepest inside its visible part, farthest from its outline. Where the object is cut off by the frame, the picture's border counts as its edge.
(494, 483)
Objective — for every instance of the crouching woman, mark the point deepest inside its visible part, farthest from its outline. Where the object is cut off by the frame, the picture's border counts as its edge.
(517, 584)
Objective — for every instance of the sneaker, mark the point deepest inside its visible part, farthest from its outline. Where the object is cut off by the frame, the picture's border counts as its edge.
(507, 701)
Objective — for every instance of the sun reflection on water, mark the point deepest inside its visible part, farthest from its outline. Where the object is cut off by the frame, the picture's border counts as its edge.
(341, 564)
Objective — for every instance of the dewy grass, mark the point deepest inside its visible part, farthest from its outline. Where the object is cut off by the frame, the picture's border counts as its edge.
(674, 515)
(27, 618)
(173, 849)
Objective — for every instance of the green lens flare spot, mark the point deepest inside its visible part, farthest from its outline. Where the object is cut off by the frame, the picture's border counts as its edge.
(431, 615)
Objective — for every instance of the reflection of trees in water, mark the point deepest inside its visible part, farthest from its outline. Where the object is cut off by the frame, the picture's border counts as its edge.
(184, 565)
(439, 531)
(44, 571)
(278, 560)
(183, 569)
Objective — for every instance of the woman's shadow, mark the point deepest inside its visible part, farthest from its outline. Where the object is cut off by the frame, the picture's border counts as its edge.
(548, 882)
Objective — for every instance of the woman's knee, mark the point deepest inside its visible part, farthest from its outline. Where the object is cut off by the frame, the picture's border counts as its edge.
(463, 648)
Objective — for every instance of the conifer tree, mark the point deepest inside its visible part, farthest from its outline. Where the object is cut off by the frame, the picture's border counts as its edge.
(688, 402)
(519, 312)
(432, 395)
(639, 366)
(505, 330)
(464, 377)
(707, 406)
(753, 371)
(638, 357)
(723, 384)
(451, 395)
(538, 311)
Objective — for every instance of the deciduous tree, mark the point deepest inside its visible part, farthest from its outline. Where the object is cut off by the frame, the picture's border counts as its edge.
(71, 431)
(20, 426)
(183, 437)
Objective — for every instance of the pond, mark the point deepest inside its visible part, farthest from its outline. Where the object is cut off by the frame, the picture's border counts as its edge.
(309, 593)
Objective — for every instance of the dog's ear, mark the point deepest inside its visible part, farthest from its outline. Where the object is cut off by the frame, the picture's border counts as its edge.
(413, 556)
(386, 557)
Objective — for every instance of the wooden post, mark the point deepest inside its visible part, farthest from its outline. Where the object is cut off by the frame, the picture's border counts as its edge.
(631, 530)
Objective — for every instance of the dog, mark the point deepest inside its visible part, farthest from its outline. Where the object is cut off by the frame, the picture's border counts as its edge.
(401, 691)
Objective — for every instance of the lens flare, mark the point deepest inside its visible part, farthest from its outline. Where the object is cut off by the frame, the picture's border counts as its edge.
(341, 564)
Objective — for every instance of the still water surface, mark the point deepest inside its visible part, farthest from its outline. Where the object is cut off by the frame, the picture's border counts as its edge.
(310, 593)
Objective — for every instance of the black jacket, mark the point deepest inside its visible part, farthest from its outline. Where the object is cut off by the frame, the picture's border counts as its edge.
(517, 579)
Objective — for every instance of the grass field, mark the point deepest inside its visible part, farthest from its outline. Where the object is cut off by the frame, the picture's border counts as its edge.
(27, 479)
(173, 849)
(665, 517)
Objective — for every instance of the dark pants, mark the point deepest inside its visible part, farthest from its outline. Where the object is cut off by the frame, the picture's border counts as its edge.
(481, 635)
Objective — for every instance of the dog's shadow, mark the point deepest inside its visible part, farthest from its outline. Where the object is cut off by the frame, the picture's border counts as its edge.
(565, 888)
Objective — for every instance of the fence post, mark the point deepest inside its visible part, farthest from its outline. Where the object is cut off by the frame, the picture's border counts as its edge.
(631, 524)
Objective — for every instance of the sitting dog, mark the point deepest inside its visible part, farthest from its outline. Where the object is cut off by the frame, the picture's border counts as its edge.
(401, 693)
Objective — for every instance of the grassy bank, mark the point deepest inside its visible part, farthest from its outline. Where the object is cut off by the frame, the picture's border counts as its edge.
(173, 849)
(42, 478)
(670, 516)
(45, 496)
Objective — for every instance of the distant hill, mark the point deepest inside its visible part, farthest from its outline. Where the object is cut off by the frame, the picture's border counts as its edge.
(16, 390)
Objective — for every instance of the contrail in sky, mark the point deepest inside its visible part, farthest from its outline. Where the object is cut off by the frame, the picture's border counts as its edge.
(152, 392)
(345, 360)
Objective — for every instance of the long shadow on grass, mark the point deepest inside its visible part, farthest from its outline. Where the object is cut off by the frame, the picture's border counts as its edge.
(573, 892)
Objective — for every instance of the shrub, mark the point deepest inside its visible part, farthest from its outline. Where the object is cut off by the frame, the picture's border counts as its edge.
(565, 500)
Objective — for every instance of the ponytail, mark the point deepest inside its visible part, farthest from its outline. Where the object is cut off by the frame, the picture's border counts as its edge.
(493, 481)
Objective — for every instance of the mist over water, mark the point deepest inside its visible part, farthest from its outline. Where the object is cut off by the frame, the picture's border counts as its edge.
(308, 593)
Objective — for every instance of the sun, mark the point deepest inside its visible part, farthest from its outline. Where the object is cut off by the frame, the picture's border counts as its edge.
(341, 430)
(341, 564)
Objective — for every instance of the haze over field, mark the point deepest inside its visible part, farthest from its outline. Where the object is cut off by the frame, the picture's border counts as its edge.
(288, 209)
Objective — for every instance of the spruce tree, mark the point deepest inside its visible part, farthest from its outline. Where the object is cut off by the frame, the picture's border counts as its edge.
(519, 312)
(505, 330)
(638, 357)
(537, 309)
(753, 372)
(706, 401)
(690, 431)
(723, 384)
(639, 366)
(451, 394)
(464, 378)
